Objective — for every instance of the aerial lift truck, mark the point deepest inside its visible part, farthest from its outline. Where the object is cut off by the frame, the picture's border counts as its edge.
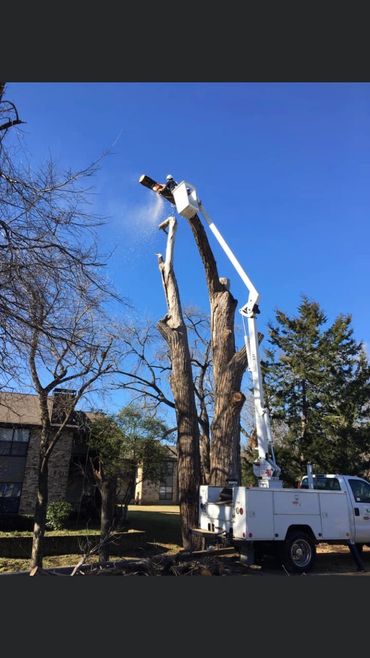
(290, 521)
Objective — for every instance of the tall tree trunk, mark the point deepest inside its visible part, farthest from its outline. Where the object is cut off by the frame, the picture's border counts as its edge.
(173, 329)
(42, 487)
(304, 422)
(228, 368)
(40, 515)
(225, 450)
(107, 490)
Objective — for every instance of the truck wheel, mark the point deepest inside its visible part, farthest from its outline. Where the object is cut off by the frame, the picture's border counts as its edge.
(299, 552)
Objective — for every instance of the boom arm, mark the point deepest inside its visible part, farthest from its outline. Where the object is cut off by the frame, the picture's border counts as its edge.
(265, 468)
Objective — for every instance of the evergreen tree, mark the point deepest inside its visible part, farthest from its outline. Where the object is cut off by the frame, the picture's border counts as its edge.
(317, 382)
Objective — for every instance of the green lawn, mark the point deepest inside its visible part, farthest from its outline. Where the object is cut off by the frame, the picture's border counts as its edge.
(162, 534)
(160, 522)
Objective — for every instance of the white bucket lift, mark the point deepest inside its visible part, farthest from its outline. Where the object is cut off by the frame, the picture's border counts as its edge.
(186, 199)
(265, 468)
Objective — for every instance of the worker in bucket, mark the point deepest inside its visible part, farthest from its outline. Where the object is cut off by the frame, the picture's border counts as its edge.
(169, 185)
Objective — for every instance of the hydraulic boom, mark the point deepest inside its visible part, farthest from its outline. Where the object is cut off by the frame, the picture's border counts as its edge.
(265, 468)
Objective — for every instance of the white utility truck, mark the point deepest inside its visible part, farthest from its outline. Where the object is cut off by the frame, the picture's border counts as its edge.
(289, 522)
(329, 508)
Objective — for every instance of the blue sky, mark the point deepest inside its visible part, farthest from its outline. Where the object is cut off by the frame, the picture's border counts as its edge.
(282, 168)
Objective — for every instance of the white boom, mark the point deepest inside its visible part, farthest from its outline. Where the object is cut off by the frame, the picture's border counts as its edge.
(265, 468)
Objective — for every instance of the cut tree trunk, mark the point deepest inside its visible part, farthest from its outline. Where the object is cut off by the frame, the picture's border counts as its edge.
(173, 329)
(228, 368)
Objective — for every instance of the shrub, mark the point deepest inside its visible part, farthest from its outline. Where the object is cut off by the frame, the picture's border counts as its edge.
(57, 515)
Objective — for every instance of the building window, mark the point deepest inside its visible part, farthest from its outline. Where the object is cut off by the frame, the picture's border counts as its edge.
(13, 451)
(166, 484)
(14, 441)
(10, 494)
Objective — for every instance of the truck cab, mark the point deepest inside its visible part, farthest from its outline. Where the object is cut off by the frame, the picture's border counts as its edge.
(358, 493)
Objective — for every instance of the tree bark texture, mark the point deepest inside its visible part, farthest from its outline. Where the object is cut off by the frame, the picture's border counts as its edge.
(203, 419)
(107, 488)
(40, 515)
(173, 329)
(204, 453)
(42, 489)
(228, 368)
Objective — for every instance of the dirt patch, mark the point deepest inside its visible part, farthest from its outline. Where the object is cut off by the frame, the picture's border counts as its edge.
(331, 560)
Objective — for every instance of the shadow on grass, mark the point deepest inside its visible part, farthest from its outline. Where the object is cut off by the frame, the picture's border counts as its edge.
(161, 527)
(162, 535)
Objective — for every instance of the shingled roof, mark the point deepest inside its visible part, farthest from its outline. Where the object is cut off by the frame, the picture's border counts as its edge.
(23, 409)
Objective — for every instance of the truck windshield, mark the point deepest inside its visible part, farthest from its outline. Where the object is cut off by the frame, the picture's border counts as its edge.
(322, 483)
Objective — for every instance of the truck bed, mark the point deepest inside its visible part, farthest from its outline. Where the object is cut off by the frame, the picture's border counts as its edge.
(258, 514)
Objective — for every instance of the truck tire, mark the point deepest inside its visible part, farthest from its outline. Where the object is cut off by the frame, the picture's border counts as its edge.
(298, 552)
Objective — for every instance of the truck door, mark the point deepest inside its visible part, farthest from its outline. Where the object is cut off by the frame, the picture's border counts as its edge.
(360, 491)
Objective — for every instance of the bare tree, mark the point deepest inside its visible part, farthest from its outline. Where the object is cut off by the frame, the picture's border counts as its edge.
(146, 370)
(8, 113)
(75, 355)
(53, 331)
(45, 227)
(145, 365)
(173, 330)
(229, 366)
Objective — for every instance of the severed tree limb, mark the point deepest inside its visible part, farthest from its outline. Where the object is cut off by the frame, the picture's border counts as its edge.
(171, 291)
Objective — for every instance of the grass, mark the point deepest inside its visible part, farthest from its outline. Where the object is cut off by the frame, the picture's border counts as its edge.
(161, 523)
(50, 533)
(162, 535)
(10, 565)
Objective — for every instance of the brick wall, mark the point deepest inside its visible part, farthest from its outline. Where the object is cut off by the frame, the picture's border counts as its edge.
(58, 471)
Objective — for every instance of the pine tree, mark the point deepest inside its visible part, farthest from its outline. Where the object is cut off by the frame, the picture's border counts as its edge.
(317, 381)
